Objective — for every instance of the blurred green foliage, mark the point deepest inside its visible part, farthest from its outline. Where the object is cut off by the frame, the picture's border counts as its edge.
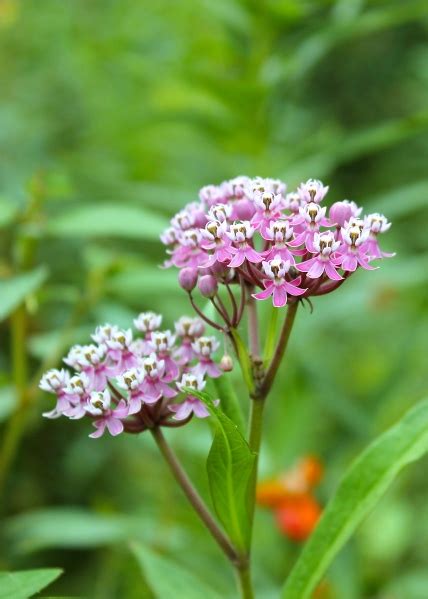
(112, 115)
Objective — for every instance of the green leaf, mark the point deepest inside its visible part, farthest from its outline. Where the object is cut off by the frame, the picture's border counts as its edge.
(25, 583)
(108, 220)
(363, 485)
(13, 291)
(229, 400)
(169, 579)
(70, 528)
(230, 467)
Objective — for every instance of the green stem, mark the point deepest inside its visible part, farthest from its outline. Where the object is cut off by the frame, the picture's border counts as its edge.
(244, 581)
(271, 336)
(15, 426)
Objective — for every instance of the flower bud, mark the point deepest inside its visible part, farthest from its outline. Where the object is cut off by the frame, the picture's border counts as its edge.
(188, 277)
(244, 209)
(340, 213)
(226, 363)
(208, 286)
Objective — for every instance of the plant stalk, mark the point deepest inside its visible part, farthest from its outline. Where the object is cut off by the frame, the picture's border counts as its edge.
(194, 498)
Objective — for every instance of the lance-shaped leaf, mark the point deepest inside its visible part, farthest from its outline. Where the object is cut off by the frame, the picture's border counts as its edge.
(363, 485)
(229, 400)
(230, 467)
(25, 583)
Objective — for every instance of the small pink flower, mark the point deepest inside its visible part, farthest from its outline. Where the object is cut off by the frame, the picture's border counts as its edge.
(188, 329)
(215, 238)
(162, 343)
(241, 233)
(312, 191)
(77, 394)
(312, 217)
(119, 350)
(132, 380)
(352, 250)
(376, 223)
(155, 384)
(204, 347)
(280, 233)
(325, 260)
(147, 323)
(268, 208)
(99, 405)
(56, 381)
(276, 285)
(191, 404)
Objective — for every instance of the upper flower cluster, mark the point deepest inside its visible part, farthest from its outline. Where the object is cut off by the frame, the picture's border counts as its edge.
(253, 231)
(129, 384)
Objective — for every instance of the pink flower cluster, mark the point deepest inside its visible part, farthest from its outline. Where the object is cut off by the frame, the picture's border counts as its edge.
(252, 231)
(127, 383)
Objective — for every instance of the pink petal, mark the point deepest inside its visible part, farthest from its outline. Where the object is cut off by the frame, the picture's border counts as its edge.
(266, 293)
(349, 263)
(100, 425)
(114, 426)
(252, 255)
(316, 269)
(182, 411)
(200, 410)
(279, 296)
(306, 265)
(292, 289)
(332, 272)
(237, 259)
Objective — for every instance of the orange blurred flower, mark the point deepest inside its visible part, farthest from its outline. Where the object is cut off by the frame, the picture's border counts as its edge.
(290, 496)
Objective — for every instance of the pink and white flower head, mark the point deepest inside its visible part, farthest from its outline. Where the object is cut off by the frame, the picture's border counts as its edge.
(211, 195)
(220, 212)
(325, 261)
(120, 350)
(99, 405)
(154, 385)
(312, 191)
(313, 214)
(169, 236)
(276, 284)
(90, 359)
(191, 405)
(188, 329)
(241, 234)
(280, 233)
(104, 333)
(268, 207)
(215, 238)
(204, 348)
(293, 202)
(376, 223)
(183, 220)
(55, 381)
(147, 322)
(132, 380)
(77, 393)
(162, 343)
(353, 250)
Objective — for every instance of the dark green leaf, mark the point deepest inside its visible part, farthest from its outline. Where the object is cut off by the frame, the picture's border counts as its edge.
(230, 466)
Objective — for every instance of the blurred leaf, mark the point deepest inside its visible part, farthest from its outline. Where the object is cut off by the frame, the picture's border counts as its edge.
(8, 211)
(26, 583)
(230, 466)
(402, 201)
(363, 485)
(108, 220)
(69, 528)
(169, 579)
(13, 291)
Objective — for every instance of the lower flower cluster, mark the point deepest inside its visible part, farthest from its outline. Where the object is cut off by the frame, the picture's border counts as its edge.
(126, 383)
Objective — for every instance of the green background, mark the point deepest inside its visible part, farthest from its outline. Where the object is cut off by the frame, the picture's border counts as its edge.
(112, 115)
